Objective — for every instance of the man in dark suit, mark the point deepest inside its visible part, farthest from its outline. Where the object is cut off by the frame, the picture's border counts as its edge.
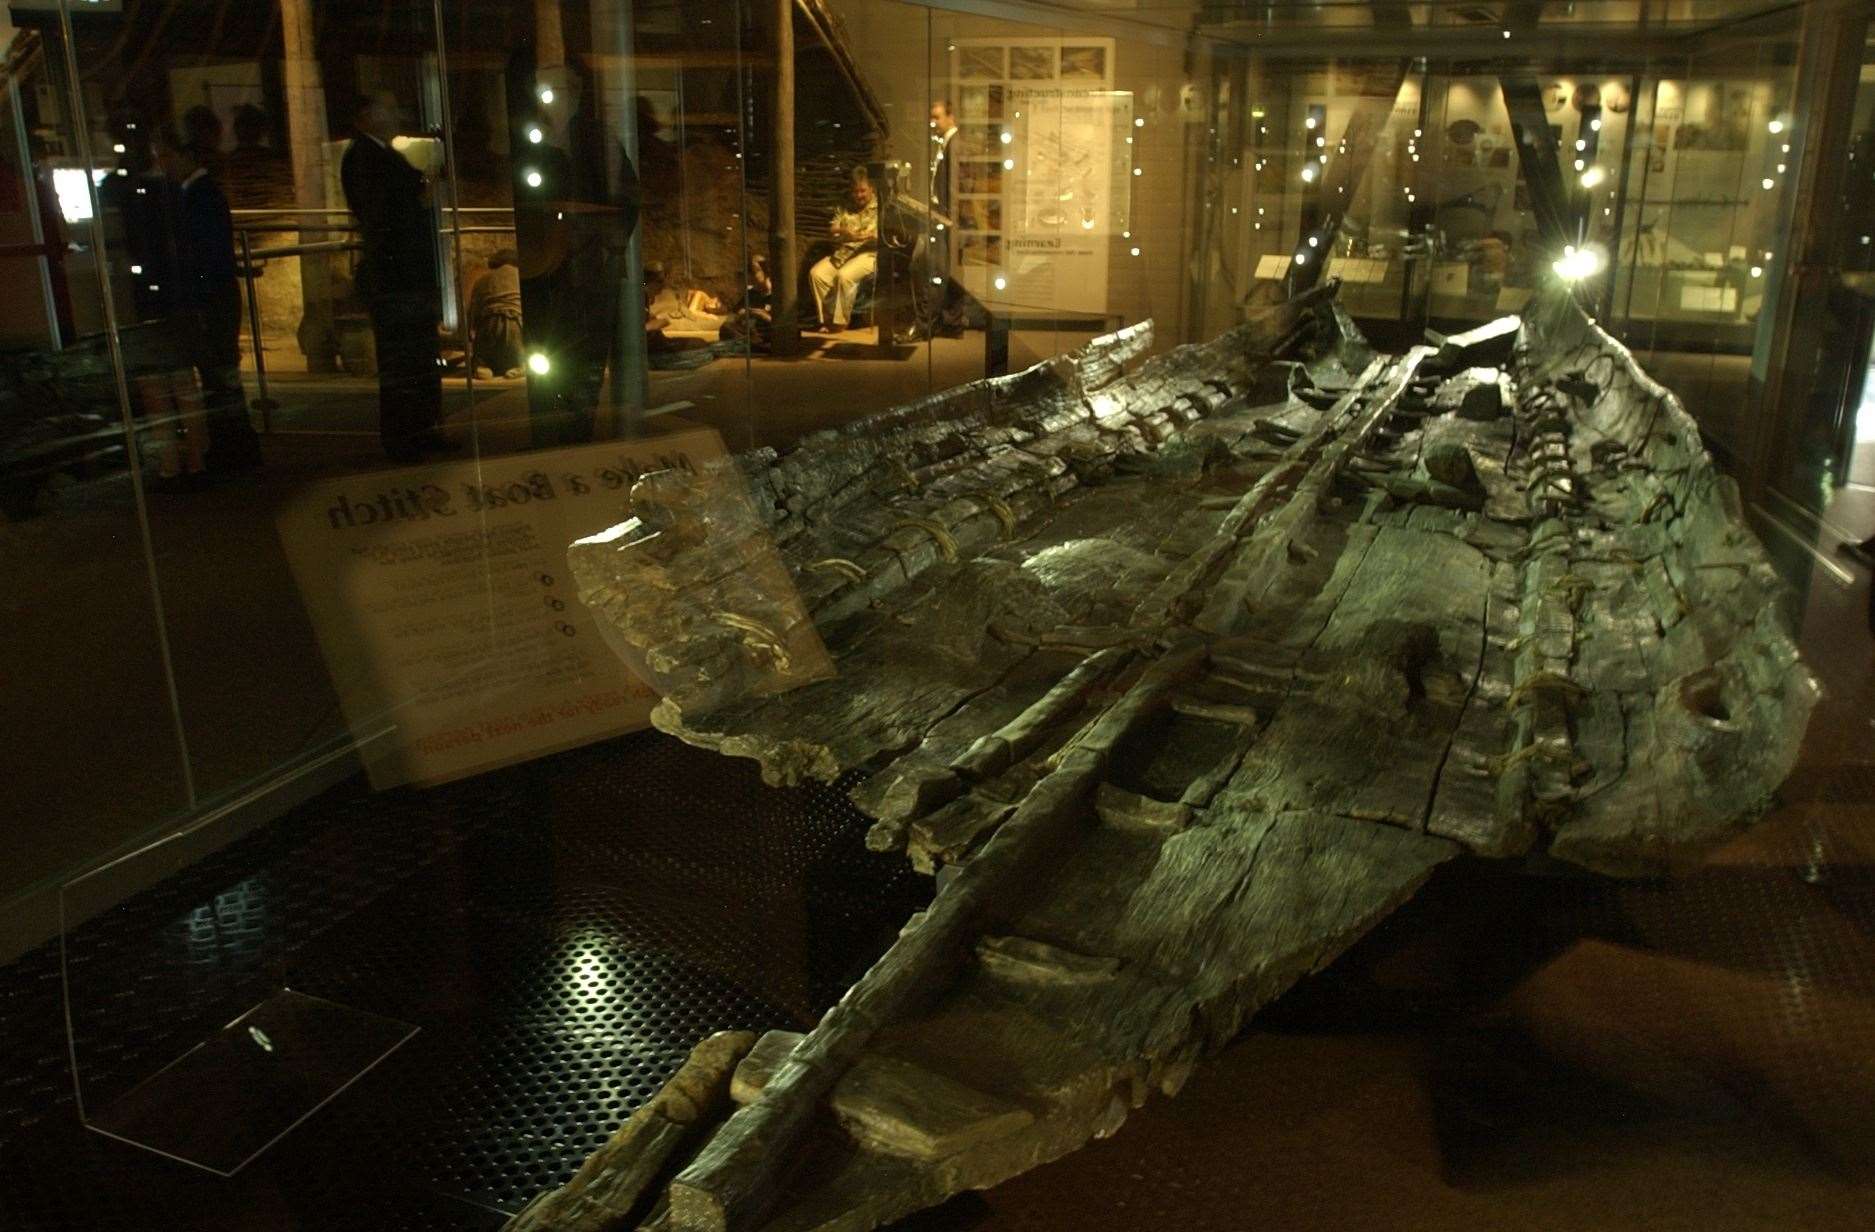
(205, 299)
(942, 305)
(399, 280)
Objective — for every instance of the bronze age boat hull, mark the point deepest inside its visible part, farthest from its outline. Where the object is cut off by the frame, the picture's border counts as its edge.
(1179, 675)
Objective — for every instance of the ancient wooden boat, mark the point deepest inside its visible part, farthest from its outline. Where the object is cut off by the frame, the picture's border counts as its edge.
(1178, 674)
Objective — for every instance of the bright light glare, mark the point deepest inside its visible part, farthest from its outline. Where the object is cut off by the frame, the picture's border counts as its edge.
(538, 364)
(1008, 136)
(1308, 173)
(1002, 283)
(1577, 263)
(533, 179)
(1593, 176)
(1776, 126)
(535, 135)
(546, 94)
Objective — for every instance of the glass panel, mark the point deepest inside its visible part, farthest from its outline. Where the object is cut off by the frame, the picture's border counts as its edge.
(1823, 460)
(84, 653)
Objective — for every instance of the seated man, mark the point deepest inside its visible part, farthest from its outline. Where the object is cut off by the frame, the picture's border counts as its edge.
(837, 277)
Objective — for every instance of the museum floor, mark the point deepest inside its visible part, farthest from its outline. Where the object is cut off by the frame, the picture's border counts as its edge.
(1511, 1049)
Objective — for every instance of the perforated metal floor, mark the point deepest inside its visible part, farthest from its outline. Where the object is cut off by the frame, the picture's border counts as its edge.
(561, 931)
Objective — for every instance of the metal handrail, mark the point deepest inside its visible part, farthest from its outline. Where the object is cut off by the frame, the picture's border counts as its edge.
(265, 403)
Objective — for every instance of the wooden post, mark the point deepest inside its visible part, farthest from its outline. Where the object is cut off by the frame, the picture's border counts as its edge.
(783, 257)
(549, 36)
(307, 137)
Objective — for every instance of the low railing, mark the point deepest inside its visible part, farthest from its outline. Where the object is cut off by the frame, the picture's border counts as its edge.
(250, 222)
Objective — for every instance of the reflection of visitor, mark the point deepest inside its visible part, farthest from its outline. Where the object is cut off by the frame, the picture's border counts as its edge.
(495, 316)
(837, 276)
(576, 202)
(398, 278)
(207, 302)
(254, 174)
(142, 198)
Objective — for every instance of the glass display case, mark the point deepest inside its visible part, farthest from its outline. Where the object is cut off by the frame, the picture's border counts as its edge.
(351, 350)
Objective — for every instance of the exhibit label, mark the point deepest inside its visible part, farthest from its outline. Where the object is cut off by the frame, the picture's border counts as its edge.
(445, 610)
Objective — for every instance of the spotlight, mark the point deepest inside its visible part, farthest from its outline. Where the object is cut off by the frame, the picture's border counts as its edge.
(533, 179)
(1593, 176)
(1008, 136)
(538, 363)
(535, 135)
(1577, 263)
(1776, 127)
(1002, 283)
(546, 94)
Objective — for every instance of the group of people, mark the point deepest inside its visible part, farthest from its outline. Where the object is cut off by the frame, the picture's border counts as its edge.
(839, 277)
(195, 275)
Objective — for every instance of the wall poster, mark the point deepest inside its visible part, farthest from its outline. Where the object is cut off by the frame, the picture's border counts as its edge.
(1044, 172)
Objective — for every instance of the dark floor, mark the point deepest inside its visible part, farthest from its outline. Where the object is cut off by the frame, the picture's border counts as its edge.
(561, 932)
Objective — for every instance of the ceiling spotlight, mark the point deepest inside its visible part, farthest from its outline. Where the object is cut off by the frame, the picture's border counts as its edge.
(535, 135)
(546, 94)
(538, 364)
(533, 179)
(1593, 176)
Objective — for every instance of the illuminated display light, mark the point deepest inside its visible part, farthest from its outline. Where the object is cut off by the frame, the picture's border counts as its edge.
(539, 364)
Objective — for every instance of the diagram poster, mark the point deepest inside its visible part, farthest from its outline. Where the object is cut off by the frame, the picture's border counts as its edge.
(1043, 174)
(446, 612)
